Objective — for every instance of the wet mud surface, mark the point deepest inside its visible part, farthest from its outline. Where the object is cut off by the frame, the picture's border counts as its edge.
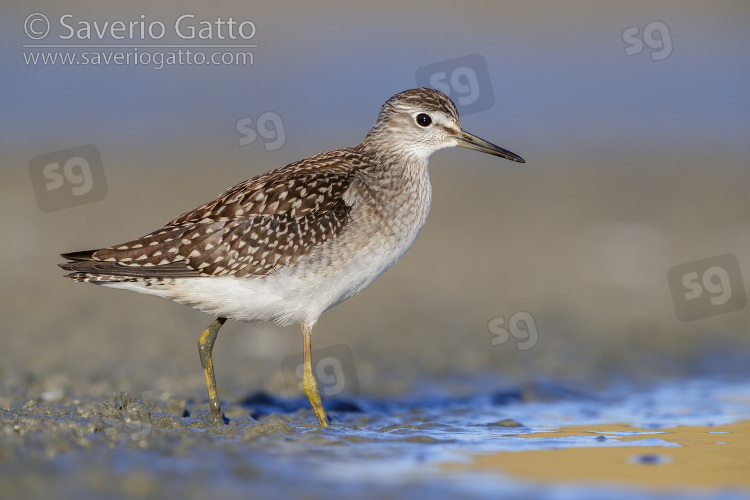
(669, 440)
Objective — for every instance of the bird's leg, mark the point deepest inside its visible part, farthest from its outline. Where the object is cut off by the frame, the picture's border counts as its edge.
(308, 380)
(205, 347)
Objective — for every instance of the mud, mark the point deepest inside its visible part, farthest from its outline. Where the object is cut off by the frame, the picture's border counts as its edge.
(670, 440)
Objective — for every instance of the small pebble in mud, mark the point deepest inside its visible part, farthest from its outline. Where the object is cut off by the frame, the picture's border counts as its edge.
(53, 395)
(508, 422)
(601, 438)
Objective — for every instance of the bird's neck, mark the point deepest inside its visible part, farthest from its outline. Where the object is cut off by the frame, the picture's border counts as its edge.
(396, 169)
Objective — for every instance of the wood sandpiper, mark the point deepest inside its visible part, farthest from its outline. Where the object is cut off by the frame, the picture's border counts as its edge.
(287, 245)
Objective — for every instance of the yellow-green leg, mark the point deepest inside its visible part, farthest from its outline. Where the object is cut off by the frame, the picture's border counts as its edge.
(308, 381)
(205, 348)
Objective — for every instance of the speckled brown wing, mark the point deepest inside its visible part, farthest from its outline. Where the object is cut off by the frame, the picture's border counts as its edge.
(251, 229)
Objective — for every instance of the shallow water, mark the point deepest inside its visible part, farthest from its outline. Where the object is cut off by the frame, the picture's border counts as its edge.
(610, 442)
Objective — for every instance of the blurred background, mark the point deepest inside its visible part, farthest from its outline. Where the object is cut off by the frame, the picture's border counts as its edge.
(633, 118)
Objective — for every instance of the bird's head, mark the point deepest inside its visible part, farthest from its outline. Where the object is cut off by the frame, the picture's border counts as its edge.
(418, 122)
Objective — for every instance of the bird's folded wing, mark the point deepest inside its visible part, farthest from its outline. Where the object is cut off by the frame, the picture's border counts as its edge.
(251, 229)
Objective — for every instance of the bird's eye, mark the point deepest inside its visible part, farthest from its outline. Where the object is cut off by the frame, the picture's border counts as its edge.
(424, 120)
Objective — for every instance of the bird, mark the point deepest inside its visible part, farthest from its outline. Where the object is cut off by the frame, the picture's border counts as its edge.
(289, 244)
